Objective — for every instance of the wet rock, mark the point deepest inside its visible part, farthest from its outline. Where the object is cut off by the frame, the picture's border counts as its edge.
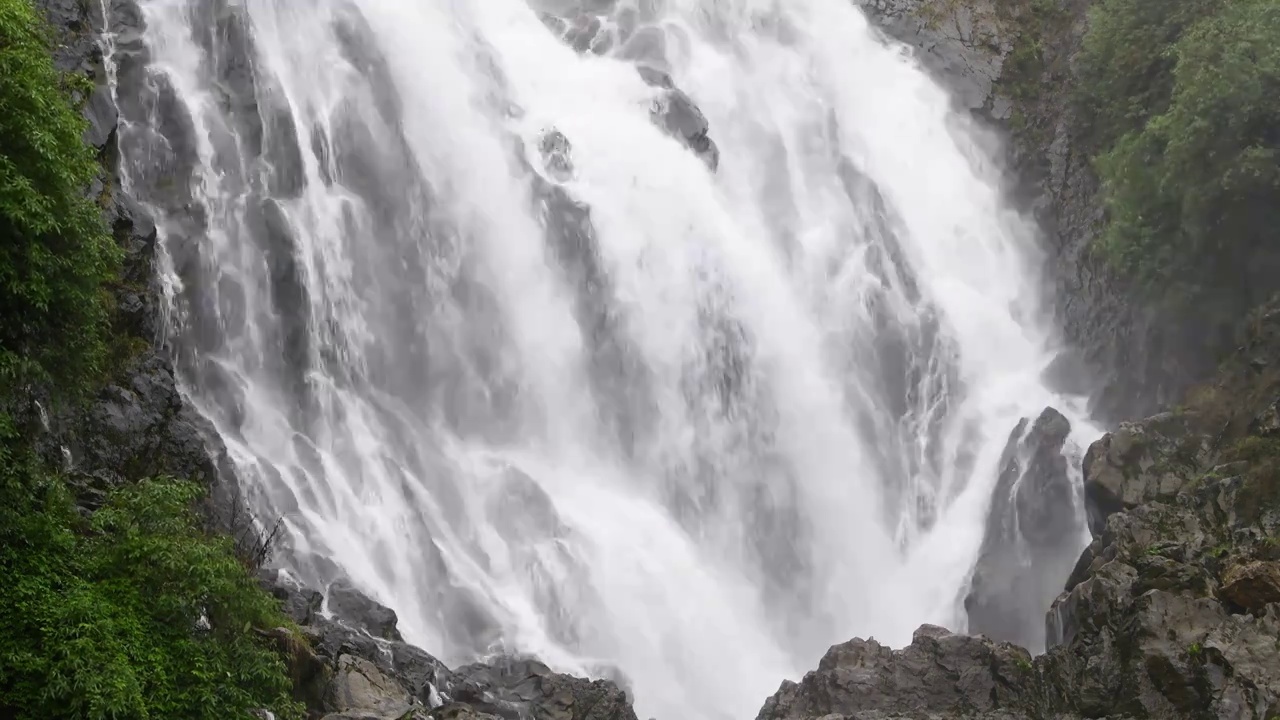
(940, 675)
(1252, 585)
(962, 44)
(1031, 538)
(300, 604)
(525, 689)
(676, 113)
(362, 612)
(360, 690)
(1142, 462)
(557, 157)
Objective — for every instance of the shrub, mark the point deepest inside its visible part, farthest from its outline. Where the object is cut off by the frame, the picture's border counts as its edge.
(1185, 98)
(55, 252)
(131, 613)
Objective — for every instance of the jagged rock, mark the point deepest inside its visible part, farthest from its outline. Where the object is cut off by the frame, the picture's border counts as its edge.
(940, 675)
(300, 603)
(1031, 536)
(525, 689)
(1252, 585)
(362, 612)
(1142, 462)
(361, 691)
(373, 678)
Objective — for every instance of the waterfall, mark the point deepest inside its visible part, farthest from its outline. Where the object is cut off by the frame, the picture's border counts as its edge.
(507, 341)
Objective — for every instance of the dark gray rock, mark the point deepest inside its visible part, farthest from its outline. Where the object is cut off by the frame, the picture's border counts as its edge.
(676, 113)
(300, 604)
(940, 675)
(963, 44)
(1143, 462)
(362, 612)
(525, 689)
(1032, 536)
(375, 678)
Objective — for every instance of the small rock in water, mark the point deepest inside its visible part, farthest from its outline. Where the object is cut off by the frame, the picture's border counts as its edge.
(676, 113)
(556, 155)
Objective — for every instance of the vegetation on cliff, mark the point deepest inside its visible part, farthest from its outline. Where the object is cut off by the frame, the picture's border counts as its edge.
(1182, 99)
(130, 613)
(129, 610)
(57, 254)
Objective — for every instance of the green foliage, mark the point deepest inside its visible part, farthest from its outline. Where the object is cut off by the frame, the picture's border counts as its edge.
(55, 252)
(1184, 101)
(130, 613)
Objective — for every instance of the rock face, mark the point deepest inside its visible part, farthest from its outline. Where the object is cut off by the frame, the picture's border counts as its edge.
(1032, 538)
(1173, 611)
(964, 44)
(343, 672)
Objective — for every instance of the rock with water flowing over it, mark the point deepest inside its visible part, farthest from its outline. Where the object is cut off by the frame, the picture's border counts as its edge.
(964, 44)
(586, 28)
(676, 113)
(1032, 536)
(362, 612)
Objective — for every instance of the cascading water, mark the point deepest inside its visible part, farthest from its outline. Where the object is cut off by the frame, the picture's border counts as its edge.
(503, 351)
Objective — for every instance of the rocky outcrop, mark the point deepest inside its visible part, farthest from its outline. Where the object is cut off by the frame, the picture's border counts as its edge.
(1032, 536)
(940, 675)
(1173, 610)
(343, 672)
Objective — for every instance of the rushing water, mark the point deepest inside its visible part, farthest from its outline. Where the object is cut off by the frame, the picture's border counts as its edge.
(526, 369)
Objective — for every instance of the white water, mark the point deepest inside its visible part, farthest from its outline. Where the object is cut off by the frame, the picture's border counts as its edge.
(766, 418)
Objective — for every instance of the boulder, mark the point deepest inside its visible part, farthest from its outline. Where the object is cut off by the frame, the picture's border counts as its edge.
(362, 612)
(676, 113)
(1252, 585)
(1032, 536)
(963, 44)
(360, 690)
(1142, 462)
(940, 675)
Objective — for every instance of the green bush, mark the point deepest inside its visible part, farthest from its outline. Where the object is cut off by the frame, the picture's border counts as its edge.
(1184, 99)
(131, 613)
(55, 252)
